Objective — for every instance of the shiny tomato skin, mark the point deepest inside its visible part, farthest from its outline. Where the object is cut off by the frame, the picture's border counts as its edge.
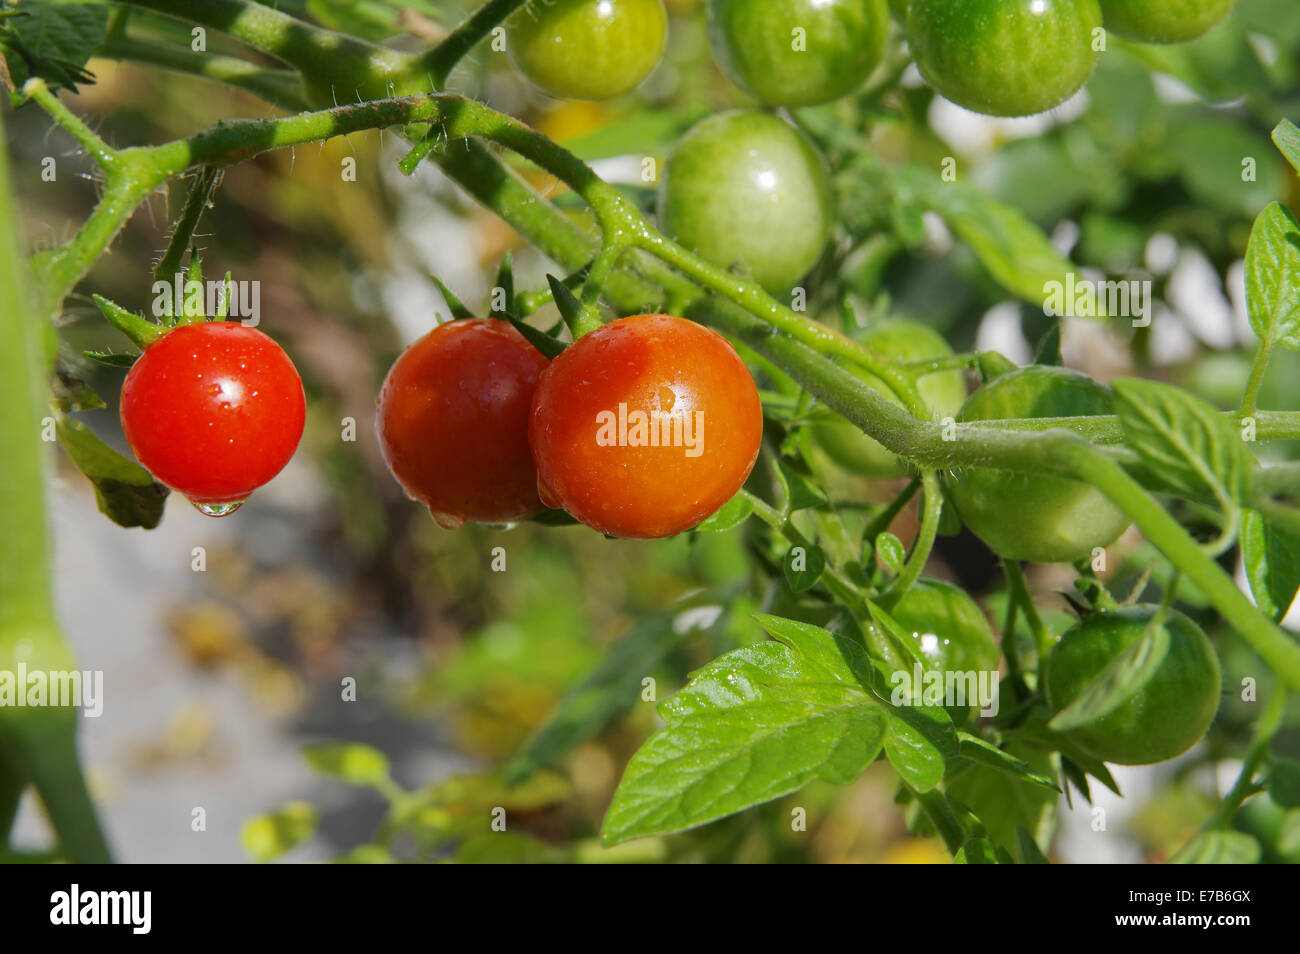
(213, 410)
(602, 471)
(452, 421)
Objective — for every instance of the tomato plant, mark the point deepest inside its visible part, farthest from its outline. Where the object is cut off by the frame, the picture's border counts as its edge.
(1167, 21)
(747, 189)
(588, 49)
(214, 411)
(798, 52)
(714, 499)
(1172, 709)
(452, 421)
(645, 427)
(1005, 57)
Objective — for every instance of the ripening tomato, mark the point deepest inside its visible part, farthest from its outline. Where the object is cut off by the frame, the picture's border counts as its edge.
(745, 188)
(452, 420)
(645, 426)
(798, 52)
(587, 49)
(1005, 57)
(1032, 516)
(214, 411)
(1167, 715)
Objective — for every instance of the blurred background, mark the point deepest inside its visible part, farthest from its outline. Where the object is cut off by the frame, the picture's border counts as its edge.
(327, 675)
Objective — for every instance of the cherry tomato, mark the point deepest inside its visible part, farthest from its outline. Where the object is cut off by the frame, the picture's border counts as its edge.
(587, 49)
(1005, 57)
(746, 188)
(646, 426)
(214, 411)
(798, 52)
(1163, 21)
(452, 421)
(951, 631)
(1167, 716)
(1031, 516)
(943, 393)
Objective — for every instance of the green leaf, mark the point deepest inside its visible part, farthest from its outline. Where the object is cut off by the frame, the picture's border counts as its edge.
(1288, 837)
(1287, 138)
(124, 491)
(267, 837)
(505, 282)
(549, 346)
(977, 750)
(1272, 560)
(803, 567)
(610, 690)
(1018, 255)
(1003, 802)
(1273, 277)
(1027, 848)
(976, 851)
(1284, 785)
(1192, 448)
(992, 364)
(732, 514)
(112, 359)
(55, 41)
(919, 744)
(1049, 348)
(454, 304)
(1122, 679)
(890, 552)
(352, 762)
(800, 492)
(753, 725)
(1219, 848)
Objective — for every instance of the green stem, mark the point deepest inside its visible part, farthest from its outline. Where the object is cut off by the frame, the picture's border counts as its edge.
(196, 201)
(941, 815)
(442, 59)
(1019, 589)
(1257, 372)
(931, 511)
(885, 519)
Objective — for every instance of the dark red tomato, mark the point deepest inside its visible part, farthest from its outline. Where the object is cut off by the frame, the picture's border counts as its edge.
(453, 422)
(213, 411)
(646, 426)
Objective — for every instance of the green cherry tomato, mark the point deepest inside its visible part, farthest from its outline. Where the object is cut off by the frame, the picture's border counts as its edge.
(587, 49)
(943, 393)
(1004, 57)
(1030, 516)
(1163, 21)
(798, 52)
(746, 189)
(1167, 716)
(950, 630)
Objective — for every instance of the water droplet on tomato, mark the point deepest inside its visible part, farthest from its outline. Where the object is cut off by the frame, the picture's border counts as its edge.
(217, 509)
(448, 521)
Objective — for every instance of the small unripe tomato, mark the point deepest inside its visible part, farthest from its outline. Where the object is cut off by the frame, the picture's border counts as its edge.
(746, 188)
(901, 340)
(1031, 516)
(1167, 716)
(798, 52)
(452, 420)
(1163, 21)
(1005, 57)
(214, 411)
(951, 631)
(645, 426)
(587, 49)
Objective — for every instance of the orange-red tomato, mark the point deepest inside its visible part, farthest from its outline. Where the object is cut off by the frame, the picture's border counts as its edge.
(646, 426)
(453, 422)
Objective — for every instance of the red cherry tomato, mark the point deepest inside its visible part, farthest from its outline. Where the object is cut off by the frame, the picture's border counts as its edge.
(646, 426)
(213, 411)
(453, 422)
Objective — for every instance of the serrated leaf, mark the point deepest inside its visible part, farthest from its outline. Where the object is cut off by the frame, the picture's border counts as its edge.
(803, 567)
(1271, 557)
(1123, 678)
(352, 762)
(1284, 783)
(1219, 848)
(919, 744)
(124, 491)
(732, 514)
(1286, 136)
(612, 688)
(267, 837)
(977, 750)
(56, 41)
(890, 552)
(1273, 277)
(753, 725)
(1192, 448)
